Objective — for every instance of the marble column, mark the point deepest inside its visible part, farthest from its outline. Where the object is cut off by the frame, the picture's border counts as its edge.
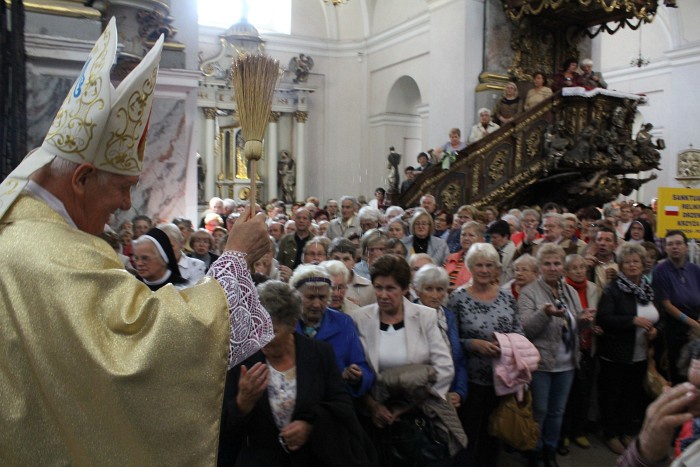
(271, 145)
(300, 193)
(209, 141)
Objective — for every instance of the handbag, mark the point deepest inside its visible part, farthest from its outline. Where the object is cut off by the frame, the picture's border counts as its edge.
(414, 437)
(513, 423)
(653, 382)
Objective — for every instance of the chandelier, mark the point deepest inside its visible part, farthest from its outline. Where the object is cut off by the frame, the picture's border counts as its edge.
(335, 2)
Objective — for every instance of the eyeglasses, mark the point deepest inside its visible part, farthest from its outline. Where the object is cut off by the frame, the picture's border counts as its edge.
(144, 259)
(339, 288)
(422, 224)
(200, 240)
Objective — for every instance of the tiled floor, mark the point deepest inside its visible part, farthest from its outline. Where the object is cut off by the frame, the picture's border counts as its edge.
(597, 456)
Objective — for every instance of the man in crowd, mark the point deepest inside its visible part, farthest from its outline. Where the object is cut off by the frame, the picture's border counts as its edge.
(216, 206)
(276, 231)
(499, 232)
(348, 223)
(602, 267)
(428, 203)
(291, 246)
(552, 232)
(332, 209)
(97, 369)
(410, 178)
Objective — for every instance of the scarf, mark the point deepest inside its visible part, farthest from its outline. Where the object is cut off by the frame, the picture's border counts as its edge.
(581, 290)
(642, 292)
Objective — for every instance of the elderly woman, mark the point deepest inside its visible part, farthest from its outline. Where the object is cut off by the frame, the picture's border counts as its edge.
(340, 276)
(472, 232)
(430, 283)
(628, 317)
(372, 246)
(155, 260)
(539, 93)
(551, 309)
(525, 271)
(202, 244)
(395, 333)
(370, 218)
(422, 240)
(484, 127)
(320, 322)
(576, 415)
(508, 106)
(316, 250)
(287, 404)
(396, 228)
(482, 309)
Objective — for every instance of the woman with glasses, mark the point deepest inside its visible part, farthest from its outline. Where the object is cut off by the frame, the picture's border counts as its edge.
(422, 240)
(372, 247)
(202, 244)
(551, 309)
(155, 261)
(287, 404)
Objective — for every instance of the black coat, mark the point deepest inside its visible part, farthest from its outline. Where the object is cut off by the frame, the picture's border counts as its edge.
(616, 313)
(322, 400)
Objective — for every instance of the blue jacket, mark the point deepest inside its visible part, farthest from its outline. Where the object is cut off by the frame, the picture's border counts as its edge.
(459, 383)
(340, 332)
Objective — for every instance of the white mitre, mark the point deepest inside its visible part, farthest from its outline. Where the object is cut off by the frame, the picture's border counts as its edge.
(96, 123)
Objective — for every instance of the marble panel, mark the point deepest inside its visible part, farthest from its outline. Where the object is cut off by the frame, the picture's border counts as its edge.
(45, 93)
(161, 190)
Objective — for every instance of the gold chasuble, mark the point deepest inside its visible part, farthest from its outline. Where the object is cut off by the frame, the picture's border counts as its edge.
(95, 369)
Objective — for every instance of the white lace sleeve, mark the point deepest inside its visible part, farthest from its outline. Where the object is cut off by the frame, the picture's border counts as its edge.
(251, 327)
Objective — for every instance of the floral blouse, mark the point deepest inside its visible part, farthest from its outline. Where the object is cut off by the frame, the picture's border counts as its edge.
(282, 393)
(479, 320)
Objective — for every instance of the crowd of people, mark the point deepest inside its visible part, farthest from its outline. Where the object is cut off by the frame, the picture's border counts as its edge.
(595, 291)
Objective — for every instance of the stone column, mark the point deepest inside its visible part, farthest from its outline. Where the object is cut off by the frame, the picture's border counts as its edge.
(209, 140)
(271, 145)
(300, 193)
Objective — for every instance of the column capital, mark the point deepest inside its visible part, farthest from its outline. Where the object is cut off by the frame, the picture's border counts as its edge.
(301, 116)
(274, 117)
(209, 112)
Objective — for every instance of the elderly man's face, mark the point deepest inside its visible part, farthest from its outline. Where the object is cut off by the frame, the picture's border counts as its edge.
(551, 229)
(276, 231)
(347, 209)
(302, 220)
(332, 207)
(428, 203)
(100, 200)
(218, 207)
(485, 118)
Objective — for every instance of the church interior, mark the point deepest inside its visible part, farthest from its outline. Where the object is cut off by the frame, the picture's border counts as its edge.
(363, 76)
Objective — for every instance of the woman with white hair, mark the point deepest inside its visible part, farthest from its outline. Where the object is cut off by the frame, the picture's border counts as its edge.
(484, 127)
(340, 276)
(320, 322)
(370, 218)
(372, 247)
(482, 308)
(430, 283)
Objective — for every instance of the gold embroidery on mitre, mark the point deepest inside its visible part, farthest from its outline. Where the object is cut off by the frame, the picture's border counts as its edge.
(128, 123)
(73, 129)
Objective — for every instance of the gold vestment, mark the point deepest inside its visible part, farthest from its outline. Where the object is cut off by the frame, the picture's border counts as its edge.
(95, 369)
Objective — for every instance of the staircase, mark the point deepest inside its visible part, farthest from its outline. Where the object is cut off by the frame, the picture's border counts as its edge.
(575, 150)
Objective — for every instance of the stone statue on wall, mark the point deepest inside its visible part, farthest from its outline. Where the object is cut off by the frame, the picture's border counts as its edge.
(287, 178)
(201, 179)
(394, 159)
(301, 66)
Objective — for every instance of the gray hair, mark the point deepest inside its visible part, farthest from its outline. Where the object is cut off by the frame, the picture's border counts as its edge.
(587, 61)
(416, 256)
(557, 216)
(371, 237)
(511, 217)
(215, 200)
(528, 261)
(318, 240)
(478, 227)
(628, 249)
(480, 252)
(352, 199)
(230, 204)
(173, 233)
(531, 211)
(430, 274)
(336, 268)
(369, 213)
(549, 249)
(483, 110)
(569, 260)
(394, 211)
(281, 301)
(309, 271)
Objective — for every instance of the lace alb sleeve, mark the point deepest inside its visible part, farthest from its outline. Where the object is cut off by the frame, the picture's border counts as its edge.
(251, 327)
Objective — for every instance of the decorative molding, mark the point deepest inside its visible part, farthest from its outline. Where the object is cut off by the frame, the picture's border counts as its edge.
(60, 8)
(209, 113)
(274, 117)
(404, 120)
(301, 117)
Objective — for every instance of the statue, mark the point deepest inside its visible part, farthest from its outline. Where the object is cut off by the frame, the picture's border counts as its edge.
(394, 159)
(301, 66)
(286, 170)
(646, 149)
(201, 179)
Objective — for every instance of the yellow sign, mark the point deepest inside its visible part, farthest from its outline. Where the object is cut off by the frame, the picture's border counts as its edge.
(679, 209)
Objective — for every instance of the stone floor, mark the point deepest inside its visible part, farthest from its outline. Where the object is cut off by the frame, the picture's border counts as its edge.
(597, 456)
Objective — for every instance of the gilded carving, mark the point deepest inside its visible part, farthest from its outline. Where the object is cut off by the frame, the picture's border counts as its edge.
(497, 168)
(450, 197)
(534, 142)
(274, 117)
(301, 116)
(475, 180)
(689, 164)
(209, 113)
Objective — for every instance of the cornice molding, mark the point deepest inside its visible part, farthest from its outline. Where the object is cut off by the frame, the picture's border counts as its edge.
(395, 119)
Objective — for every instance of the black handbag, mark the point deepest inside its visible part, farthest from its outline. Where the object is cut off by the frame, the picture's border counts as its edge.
(415, 437)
